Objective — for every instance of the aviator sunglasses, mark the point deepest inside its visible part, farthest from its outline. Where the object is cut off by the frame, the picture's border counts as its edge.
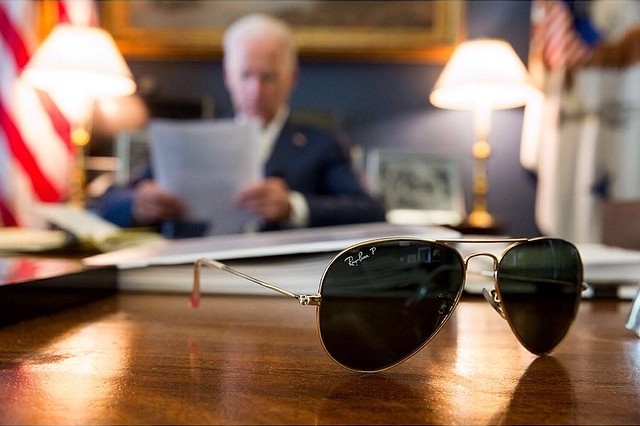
(380, 301)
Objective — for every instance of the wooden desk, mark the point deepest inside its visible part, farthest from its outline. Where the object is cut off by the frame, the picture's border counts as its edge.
(148, 358)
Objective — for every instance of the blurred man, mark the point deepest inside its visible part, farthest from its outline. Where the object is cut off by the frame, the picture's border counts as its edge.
(308, 180)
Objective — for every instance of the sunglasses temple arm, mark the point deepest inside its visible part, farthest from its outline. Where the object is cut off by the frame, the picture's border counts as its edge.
(583, 285)
(304, 299)
(492, 298)
(494, 301)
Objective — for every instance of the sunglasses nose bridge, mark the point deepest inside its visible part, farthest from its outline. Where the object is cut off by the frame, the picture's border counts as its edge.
(491, 296)
(493, 258)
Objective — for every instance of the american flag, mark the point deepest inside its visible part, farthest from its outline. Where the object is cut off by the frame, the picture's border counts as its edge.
(562, 38)
(35, 148)
(561, 33)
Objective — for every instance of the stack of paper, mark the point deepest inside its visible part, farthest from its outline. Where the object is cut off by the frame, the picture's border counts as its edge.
(294, 259)
(607, 264)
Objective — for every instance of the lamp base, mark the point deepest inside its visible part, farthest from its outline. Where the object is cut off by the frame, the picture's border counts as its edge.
(480, 219)
(77, 186)
(480, 222)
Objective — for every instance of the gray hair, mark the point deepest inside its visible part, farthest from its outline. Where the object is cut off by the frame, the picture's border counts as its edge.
(260, 25)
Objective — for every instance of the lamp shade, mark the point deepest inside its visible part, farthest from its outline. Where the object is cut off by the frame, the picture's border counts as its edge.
(80, 61)
(483, 73)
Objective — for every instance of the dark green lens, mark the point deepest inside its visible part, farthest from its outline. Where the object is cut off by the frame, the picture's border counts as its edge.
(539, 283)
(383, 300)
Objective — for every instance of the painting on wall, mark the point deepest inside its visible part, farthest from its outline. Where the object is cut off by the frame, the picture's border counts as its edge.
(324, 29)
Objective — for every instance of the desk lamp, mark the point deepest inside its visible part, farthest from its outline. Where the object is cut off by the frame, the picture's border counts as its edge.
(78, 65)
(482, 75)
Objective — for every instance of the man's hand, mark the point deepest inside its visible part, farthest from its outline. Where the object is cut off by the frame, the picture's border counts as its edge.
(268, 199)
(151, 204)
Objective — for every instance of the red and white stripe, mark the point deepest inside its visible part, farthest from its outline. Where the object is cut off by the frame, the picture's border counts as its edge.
(35, 150)
(554, 35)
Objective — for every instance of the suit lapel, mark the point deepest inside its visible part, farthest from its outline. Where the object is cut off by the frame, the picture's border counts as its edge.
(285, 149)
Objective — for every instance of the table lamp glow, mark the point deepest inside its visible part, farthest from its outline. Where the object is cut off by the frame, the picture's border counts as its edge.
(482, 75)
(78, 65)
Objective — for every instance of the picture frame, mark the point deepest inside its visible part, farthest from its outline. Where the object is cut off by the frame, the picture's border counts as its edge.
(131, 149)
(417, 188)
(323, 29)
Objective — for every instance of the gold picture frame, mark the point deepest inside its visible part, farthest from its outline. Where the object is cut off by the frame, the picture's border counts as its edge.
(324, 29)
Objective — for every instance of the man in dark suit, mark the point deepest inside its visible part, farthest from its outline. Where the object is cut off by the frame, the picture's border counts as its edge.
(308, 181)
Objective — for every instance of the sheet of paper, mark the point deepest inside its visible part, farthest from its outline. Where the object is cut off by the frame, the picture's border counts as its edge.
(86, 227)
(15, 239)
(206, 162)
(83, 224)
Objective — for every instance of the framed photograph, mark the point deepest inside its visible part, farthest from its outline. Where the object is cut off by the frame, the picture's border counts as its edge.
(132, 152)
(383, 30)
(417, 188)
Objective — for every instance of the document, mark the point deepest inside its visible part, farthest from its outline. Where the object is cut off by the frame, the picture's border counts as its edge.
(608, 264)
(206, 162)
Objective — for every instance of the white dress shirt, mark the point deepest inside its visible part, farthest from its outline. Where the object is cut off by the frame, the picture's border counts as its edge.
(299, 216)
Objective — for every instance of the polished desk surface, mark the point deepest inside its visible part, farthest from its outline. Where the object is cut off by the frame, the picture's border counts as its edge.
(149, 358)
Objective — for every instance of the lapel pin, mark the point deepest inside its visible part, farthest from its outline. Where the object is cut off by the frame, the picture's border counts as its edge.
(299, 139)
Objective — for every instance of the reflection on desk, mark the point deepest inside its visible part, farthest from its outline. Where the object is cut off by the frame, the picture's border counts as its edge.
(31, 286)
(148, 358)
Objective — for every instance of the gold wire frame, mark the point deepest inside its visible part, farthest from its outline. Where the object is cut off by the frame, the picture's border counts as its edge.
(148, 29)
(315, 299)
